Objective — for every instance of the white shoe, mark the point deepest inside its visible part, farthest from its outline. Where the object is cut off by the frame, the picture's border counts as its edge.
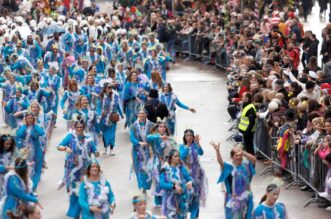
(105, 151)
(112, 153)
(328, 208)
(324, 195)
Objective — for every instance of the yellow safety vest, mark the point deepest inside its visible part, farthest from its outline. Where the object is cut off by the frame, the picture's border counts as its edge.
(244, 121)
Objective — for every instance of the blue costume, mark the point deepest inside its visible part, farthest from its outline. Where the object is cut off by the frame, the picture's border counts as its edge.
(95, 193)
(237, 181)
(71, 97)
(14, 105)
(53, 82)
(262, 211)
(132, 91)
(171, 101)
(22, 63)
(175, 205)
(82, 147)
(190, 156)
(141, 154)
(90, 119)
(108, 128)
(160, 152)
(51, 57)
(15, 192)
(91, 92)
(29, 138)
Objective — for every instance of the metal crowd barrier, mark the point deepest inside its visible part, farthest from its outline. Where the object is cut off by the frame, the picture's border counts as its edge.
(202, 47)
(304, 167)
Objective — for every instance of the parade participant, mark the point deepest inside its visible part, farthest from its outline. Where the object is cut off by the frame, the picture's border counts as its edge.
(152, 63)
(171, 100)
(96, 197)
(139, 209)
(52, 82)
(71, 95)
(17, 189)
(91, 90)
(18, 103)
(53, 56)
(7, 156)
(79, 147)
(141, 151)
(133, 96)
(34, 92)
(89, 116)
(177, 185)
(110, 115)
(269, 208)
(21, 64)
(28, 138)
(237, 178)
(156, 81)
(189, 152)
(162, 144)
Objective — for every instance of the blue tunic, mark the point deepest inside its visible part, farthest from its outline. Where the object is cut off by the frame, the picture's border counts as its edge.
(15, 192)
(103, 197)
(262, 211)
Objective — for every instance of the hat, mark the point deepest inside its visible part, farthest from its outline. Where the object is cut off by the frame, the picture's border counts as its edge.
(313, 75)
(153, 93)
(290, 114)
(291, 15)
(279, 82)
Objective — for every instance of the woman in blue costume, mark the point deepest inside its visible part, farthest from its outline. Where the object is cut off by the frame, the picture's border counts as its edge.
(120, 77)
(177, 186)
(152, 63)
(8, 154)
(67, 40)
(28, 138)
(139, 212)
(87, 114)
(53, 82)
(189, 154)
(96, 197)
(37, 93)
(91, 90)
(269, 208)
(53, 56)
(237, 177)
(171, 100)
(110, 105)
(141, 152)
(101, 61)
(156, 81)
(79, 147)
(125, 54)
(71, 95)
(134, 96)
(17, 189)
(161, 143)
(9, 90)
(18, 103)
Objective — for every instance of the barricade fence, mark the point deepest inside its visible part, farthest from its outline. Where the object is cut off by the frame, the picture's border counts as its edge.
(201, 47)
(303, 165)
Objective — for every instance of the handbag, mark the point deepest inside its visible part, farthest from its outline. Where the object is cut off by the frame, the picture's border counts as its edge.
(114, 117)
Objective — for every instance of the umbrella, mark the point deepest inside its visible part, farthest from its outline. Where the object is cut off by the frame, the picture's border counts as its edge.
(51, 29)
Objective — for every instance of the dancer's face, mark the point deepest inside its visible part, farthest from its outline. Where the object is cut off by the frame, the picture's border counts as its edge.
(238, 158)
(175, 159)
(141, 207)
(29, 119)
(142, 116)
(34, 108)
(84, 102)
(36, 214)
(94, 171)
(7, 144)
(162, 128)
(79, 129)
(272, 196)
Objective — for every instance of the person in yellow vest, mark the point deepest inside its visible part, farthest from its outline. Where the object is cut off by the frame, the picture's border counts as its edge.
(247, 122)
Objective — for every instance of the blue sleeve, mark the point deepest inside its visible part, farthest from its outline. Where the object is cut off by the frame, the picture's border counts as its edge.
(165, 185)
(21, 131)
(65, 141)
(152, 137)
(93, 147)
(183, 151)
(133, 138)
(9, 107)
(186, 175)
(18, 191)
(181, 105)
(200, 150)
(119, 110)
(45, 93)
(40, 131)
(227, 169)
(111, 197)
(25, 103)
(14, 66)
(63, 100)
(3, 169)
(258, 212)
(82, 198)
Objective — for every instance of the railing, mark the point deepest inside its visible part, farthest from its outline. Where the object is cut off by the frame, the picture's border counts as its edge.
(202, 47)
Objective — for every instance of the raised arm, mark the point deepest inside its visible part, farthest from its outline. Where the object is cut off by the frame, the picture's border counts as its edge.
(218, 153)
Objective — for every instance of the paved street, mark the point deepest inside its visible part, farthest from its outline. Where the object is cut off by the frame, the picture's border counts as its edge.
(198, 86)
